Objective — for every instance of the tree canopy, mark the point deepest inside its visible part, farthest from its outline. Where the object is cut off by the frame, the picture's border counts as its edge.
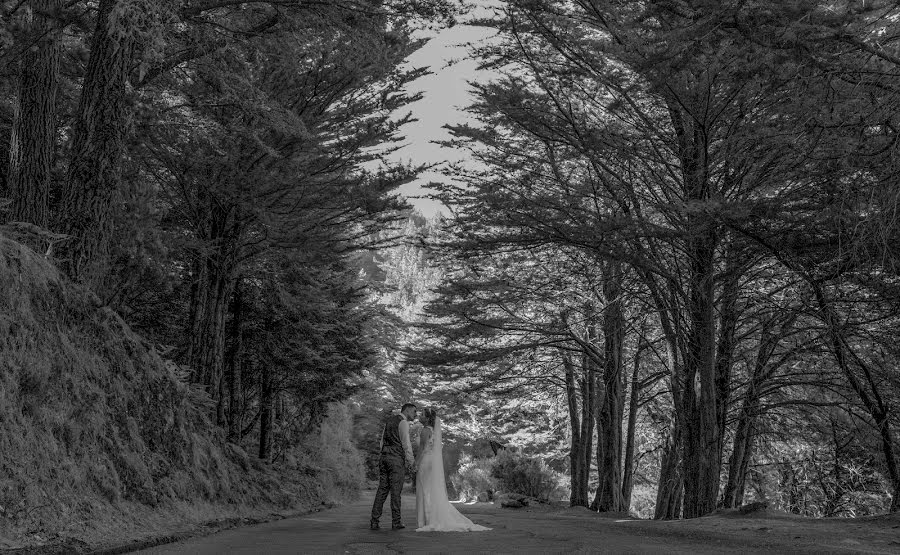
(682, 208)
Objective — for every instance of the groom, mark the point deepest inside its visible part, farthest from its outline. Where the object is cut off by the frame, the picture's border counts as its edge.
(396, 457)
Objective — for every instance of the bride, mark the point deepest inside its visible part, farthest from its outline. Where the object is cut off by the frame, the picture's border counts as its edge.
(435, 512)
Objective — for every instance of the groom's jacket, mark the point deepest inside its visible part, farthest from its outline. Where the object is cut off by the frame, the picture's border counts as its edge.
(395, 440)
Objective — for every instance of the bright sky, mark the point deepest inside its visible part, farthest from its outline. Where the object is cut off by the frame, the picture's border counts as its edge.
(446, 94)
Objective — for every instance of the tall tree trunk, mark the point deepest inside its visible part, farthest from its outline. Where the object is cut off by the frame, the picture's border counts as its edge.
(634, 399)
(210, 311)
(98, 143)
(266, 413)
(670, 487)
(196, 306)
(699, 394)
(588, 385)
(253, 365)
(33, 137)
(609, 419)
(726, 343)
(218, 273)
(742, 452)
(235, 367)
(579, 487)
(208, 344)
(701, 413)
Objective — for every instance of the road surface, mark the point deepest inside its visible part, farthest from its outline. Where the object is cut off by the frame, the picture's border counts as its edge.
(345, 530)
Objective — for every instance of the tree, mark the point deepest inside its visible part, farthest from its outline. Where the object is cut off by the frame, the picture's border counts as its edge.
(129, 47)
(653, 136)
(33, 137)
(276, 166)
(98, 141)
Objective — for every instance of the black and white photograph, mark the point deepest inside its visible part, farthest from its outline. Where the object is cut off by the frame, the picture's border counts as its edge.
(449, 276)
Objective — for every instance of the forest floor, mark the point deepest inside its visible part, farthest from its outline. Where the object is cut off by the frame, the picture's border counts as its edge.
(546, 529)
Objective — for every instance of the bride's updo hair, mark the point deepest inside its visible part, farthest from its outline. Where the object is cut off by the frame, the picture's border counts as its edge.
(429, 415)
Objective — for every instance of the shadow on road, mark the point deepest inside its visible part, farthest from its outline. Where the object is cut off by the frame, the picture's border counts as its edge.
(345, 530)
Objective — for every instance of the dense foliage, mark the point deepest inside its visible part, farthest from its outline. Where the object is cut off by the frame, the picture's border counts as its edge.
(671, 268)
(681, 225)
(213, 171)
(526, 475)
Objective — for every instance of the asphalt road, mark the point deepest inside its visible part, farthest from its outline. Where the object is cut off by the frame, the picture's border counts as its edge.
(345, 530)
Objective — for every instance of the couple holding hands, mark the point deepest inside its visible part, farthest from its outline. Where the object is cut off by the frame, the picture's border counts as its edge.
(434, 511)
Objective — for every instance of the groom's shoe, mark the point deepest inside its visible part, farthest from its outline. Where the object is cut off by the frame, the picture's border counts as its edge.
(373, 525)
(397, 527)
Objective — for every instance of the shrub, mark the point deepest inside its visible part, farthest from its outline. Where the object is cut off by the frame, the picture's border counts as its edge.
(519, 473)
(473, 477)
(332, 457)
(643, 500)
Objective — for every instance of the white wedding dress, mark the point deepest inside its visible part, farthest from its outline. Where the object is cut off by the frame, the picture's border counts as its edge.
(434, 511)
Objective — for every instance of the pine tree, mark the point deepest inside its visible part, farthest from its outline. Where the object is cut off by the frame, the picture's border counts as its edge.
(33, 136)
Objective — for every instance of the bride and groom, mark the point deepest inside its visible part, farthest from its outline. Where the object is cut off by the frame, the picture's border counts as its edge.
(434, 511)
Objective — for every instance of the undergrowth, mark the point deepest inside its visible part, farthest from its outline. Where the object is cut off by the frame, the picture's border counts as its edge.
(474, 478)
(518, 473)
(509, 472)
(332, 456)
(97, 431)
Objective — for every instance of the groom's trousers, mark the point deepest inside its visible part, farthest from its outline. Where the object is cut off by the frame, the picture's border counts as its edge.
(391, 471)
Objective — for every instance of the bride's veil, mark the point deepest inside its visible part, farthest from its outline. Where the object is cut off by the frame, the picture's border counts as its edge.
(437, 485)
(441, 515)
(438, 443)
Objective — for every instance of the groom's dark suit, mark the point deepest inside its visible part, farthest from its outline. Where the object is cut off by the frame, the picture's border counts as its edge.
(395, 448)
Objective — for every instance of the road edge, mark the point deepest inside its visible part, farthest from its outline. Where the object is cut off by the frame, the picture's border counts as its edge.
(200, 530)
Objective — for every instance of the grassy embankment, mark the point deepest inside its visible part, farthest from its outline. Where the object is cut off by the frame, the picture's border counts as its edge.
(101, 439)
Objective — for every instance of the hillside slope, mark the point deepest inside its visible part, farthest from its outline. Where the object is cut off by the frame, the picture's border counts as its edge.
(99, 438)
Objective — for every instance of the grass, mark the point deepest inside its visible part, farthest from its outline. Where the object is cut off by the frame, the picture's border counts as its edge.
(99, 437)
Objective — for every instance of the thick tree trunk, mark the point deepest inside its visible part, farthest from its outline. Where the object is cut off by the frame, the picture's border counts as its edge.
(670, 488)
(208, 343)
(235, 367)
(609, 447)
(726, 344)
(215, 283)
(634, 399)
(266, 413)
(98, 143)
(699, 406)
(252, 369)
(33, 138)
(701, 416)
(741, 454)
(579, 486)
(588, 385)
(195, 307)
(742, 451)
(609, 418)
(670, 485)
(575, 448)
(211, 304)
